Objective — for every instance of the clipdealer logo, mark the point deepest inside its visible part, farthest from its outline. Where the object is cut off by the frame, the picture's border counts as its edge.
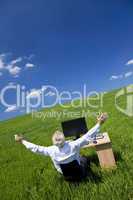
(48, 96)
(128, 92)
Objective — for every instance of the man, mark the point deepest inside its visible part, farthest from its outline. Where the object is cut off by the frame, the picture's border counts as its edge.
(65, 152)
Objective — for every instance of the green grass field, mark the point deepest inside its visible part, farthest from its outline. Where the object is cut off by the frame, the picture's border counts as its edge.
(27, 176)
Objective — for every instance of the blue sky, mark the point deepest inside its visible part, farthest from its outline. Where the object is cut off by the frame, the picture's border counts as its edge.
(65, 44)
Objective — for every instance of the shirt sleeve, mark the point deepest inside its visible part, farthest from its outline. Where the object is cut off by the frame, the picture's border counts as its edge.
(89, 136)
(57, 166)
(36, 148)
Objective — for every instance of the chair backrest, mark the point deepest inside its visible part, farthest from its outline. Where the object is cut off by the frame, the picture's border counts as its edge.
(72, 171)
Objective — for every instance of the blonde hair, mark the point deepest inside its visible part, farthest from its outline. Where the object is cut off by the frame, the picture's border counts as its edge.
(58, 138)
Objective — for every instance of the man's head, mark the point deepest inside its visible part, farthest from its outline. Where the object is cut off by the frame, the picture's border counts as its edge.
(58, 139)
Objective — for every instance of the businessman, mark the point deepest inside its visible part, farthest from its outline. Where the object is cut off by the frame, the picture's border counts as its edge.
(65, 152)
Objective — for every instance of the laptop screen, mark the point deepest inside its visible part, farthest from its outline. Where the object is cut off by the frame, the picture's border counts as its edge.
(74, 127)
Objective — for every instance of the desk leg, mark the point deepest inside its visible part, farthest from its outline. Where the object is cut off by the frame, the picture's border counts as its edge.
(105, 155)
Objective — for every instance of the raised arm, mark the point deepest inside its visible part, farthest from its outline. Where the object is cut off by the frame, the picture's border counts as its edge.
(90, 135)
(33, 147)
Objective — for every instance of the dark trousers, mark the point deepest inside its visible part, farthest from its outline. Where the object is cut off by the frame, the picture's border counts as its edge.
(84, 165)
(74, 171)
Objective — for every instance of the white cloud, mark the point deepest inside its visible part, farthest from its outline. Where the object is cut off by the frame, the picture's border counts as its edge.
(13, 66)
(29, 57)
(13, 62)
(50, 93)
(44, 88)
(29, 65)
(130, 62)
(127, 74)
(2, 60)
(121, 76)
(15, 71)
(1, 63)
(115, 77)
(11, 108)
(11, 83)
(2, 55)
(34, 93)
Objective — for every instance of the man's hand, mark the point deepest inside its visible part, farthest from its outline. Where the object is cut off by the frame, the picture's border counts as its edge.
(18, 138)
(102, 118)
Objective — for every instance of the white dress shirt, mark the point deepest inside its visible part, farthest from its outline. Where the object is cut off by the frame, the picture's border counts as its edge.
(69, 152)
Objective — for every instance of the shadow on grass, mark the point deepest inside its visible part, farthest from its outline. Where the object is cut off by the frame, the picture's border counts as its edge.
(96, 176)
(118, 156)
(93, 176)
(94, 158)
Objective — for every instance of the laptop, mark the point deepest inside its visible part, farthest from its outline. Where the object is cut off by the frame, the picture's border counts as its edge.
(74, 127)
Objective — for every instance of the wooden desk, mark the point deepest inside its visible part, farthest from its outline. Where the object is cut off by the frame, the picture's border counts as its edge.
(104, 151)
